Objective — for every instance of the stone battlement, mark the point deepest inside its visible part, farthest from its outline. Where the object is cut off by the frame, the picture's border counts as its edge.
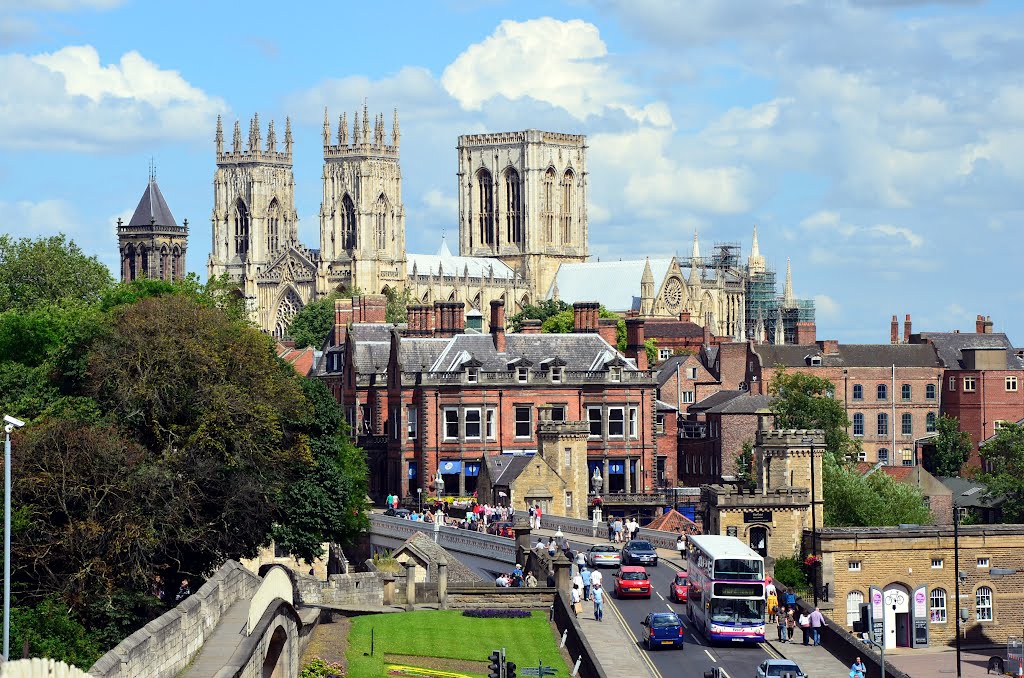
(525, 136)
(791, 437)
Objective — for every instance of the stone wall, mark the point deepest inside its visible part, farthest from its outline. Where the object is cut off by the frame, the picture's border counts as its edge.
(354, 590)
(495, 597)
(576, 642)
(166, 645)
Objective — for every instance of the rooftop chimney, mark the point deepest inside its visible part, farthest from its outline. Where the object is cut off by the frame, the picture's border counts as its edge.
(374, 308)
(452, 316)
(530, 326)
(608, 328)
(685, 316)
(906, 330)
(894, 331)
(585, 315)
(983, 325)
(498, 324)
(707, 329)
(635, 348)
(420, 321)
(342, 319)
(806, 333)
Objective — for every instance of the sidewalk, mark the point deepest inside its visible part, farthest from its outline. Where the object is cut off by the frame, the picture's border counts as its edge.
(942, 661)
(222, 643)
(814, 661)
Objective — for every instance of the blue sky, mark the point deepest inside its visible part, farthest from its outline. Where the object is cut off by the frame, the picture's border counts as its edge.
(876, 143)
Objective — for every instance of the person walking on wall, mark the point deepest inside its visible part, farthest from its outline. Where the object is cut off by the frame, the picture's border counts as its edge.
(790, 623)
(805, 626)
(772, 601)
(598, 604)
(817, 622)
(781, 620)
(858, 669)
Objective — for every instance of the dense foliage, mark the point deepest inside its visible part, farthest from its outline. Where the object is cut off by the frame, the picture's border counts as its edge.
(34, 272)
(164, 437)
(541, 312)
(1004, 456)
(952, 448)
(745, 464)
(791, 571)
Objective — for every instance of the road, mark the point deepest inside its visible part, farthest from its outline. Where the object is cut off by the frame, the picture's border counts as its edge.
(697, 657)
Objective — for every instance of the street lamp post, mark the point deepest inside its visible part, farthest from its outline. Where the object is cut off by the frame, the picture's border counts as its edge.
(814, 521)
(596, 481)
(956, 569)
(10, 423)
(419, 499)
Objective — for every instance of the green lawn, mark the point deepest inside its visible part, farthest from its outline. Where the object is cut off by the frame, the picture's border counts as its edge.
(450, 635)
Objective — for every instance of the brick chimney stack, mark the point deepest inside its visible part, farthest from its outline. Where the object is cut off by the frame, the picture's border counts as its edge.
(342, 319)
(906, 330)
(374, 308)
(894, 331)
(608, 328)
(498, 324)
(449, 318)
(685, 316)
(420, 322)
(983, 325)
(707, 329)
(635, 348)
(585, 315)
(530, 326)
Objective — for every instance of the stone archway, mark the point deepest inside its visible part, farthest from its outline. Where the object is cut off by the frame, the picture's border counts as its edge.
(758, 536)
(275, 664)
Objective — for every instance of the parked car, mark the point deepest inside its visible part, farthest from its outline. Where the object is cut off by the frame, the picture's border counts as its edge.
(603, 555)
(779, 667)
(638, 552)
(632, 580)
(663, 629)
(679, 587)
(399, 512)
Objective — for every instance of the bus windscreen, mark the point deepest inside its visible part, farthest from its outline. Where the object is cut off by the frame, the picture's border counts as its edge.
(725, 611)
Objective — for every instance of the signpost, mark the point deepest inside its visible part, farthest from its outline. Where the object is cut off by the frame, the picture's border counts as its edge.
(540, 671)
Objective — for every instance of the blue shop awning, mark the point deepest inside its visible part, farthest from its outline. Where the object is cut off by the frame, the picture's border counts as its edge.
(451, 467)
(472, 468)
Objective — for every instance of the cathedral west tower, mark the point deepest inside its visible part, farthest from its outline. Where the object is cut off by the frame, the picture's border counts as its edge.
(362, 217)
(523, 200)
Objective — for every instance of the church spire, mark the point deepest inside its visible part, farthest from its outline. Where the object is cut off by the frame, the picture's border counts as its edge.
(647, 290)
(366, 124)
(236, 142)
(219, 137)
(254, 134)
(395, 134)
(759, 334)
(356, 137)
(288, 136)
(695, 254)
(342, 130)
(271, 138)
(327, 128)
(780, 335)
(787, 294)
(755, 262)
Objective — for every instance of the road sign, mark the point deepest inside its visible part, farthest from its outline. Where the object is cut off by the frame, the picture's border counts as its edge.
(539, 671)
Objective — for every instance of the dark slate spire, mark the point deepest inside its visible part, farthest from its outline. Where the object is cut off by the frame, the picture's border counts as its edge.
(152, 209)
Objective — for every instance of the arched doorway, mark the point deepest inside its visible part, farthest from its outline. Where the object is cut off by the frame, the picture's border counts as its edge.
(896, 598)
(275, 665)
(759, 540)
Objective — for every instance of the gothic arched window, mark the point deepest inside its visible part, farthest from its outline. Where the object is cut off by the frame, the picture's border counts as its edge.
(273, 226)
(567, 198)
(380, 214)
(289, 305)
(165, 268)
(513, 208)
(129, 260)
(348, 223)
(241, 222)
(177, 264)
(549, 205)
(485, 203)
(144, 260)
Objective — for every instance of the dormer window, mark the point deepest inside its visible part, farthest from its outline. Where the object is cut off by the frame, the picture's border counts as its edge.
(816, 360)
(522, 374)
(615, 374)
(472, 375)
(556, 374)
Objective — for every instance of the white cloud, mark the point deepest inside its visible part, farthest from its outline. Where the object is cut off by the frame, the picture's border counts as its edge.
(69, 100)
(446, 205)
(520, 60)
(58, 5)
(34, 219)
(825, 307)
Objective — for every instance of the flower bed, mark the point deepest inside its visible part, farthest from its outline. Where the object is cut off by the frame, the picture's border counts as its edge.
(496, 614)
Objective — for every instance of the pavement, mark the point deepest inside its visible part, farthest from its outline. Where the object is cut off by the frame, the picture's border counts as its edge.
(221, 645)
(942, 661)
(814, 661)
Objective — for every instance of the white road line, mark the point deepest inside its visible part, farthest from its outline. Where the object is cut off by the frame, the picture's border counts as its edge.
(723, 672)
(710, 657)
(670, 608)
(661, 597)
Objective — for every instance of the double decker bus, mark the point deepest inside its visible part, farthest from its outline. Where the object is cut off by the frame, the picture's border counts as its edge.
(726, 598)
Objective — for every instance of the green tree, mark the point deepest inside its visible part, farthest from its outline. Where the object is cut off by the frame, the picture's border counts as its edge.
(327, 504)
(564, 322)
(51, 631)
(312, 325)
(804, 401)
(37, 271)
(541, 312)
(397, 309)
(952, 448)
(745, 464)
(855, 500)
(1004, 457)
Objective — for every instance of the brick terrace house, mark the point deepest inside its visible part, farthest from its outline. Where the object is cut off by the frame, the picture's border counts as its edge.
(890, 391)
(685, 379)
(982, 382)
(713, 433)
(431, 397)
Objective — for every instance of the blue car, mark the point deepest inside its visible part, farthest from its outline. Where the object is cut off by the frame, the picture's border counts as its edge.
(663, 629)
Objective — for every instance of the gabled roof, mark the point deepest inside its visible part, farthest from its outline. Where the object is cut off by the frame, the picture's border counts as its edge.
(970, 494)
(949, 346)
(848, 355)
(671, 521)
(900, 474)
(152, 208)
(615, 283)
(715, 399)
(443, 261)
(301, 359)
(743, 404)
(580, 352)
(424, 547)
(505, 468)
(672, 329)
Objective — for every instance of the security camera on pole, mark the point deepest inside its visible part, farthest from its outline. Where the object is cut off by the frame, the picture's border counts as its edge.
(10, 423)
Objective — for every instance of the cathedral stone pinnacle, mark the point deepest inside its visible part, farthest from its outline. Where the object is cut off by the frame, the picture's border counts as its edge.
(787, 295)
(327, 128)
(755, 262)
(395, 135)
(236, 142)
(219, 138)
(271, 138)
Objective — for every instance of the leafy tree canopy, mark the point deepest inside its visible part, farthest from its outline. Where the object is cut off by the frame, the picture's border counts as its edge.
(853, 500)
(1004, 457)
(952, 448)
(313, 323)
(541, 312)
(37, 271)
(804, 401)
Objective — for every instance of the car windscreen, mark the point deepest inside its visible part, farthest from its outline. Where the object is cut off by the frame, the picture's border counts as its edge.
(782, 669)
(663, 620)
(635, 576)
(680, 580)
(603, 549)
(640, 546)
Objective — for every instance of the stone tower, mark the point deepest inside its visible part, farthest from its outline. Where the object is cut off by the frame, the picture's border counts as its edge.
(255, 224)
(362, 218)
(647, 290)
(523, 199)
(152, 245)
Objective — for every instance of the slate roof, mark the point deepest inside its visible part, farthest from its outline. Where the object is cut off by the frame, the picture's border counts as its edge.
(900, 474)
(676, 329)
(715, 399)
(457, 571)
(615, 283)
(579, 352)
(505, 468)
(970, 494)
(668, 368)
(372, 331)
(443, 261)
(417, 354)
(152, 208)
(849, 355)
(742, 404)
(371, 357)
(950, 344)
(661, 405)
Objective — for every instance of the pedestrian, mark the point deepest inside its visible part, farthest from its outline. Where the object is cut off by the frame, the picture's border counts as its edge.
(387, 502)
(790, 623)
(537, 512)
(780, 613)
(577, 582)
(618, 530)
(184, 591)
(611, 528)
(790, 597)
(817, 621)
(580, 560)
(598, 604)
(577, 606)
(587, 582)
(772, 601)
(596, 580)
(804, 621)
(858, 670)
(681, 546)
(533, 522)
(769, 588)
(531, 580)
(552, 547)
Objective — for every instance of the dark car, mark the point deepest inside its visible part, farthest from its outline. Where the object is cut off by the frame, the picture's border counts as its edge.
(399, 512)
(639, 552)
(663, 629)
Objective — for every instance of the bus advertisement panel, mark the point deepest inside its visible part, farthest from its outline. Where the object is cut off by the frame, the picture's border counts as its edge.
(727, 589)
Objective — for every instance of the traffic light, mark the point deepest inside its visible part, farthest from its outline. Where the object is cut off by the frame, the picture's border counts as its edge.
(863, 625)
(510, 670)
(495, 665)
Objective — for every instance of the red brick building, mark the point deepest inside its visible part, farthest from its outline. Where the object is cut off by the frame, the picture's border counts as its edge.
(982, 381)
(431, 397)
(713, 433)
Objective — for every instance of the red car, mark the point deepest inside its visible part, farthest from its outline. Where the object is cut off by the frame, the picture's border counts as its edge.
(679, 588)
(632, 580)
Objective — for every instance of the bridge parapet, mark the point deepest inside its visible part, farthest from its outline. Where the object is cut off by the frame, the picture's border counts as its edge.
(500, 549)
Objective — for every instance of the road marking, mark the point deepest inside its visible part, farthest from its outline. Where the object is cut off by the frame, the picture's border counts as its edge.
(643, 655)
(661, 597)
(710, 656)
(670, 608)
(723, 672)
